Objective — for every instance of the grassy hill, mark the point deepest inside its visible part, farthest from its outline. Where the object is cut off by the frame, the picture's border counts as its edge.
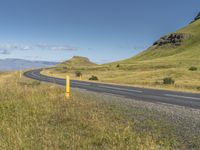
(77, 62)
(171, 56)
(174, 48)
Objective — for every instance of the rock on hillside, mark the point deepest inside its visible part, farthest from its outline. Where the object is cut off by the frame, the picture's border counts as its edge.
(178, 46)
(197, 17)
(174, 39)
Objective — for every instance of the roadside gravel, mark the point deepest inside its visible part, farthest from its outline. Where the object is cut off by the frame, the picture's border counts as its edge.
(183, 123)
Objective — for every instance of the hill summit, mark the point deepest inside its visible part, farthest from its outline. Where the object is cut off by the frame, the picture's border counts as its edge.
(78, 61)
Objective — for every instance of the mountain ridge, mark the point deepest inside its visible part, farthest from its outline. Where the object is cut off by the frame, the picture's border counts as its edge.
(13, 64)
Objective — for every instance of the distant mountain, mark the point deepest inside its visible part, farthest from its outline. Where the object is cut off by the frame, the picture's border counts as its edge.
(21, 64)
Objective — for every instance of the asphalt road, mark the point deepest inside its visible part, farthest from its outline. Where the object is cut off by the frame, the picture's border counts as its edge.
(151, 95)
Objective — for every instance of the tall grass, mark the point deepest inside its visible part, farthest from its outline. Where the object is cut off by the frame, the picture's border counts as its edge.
(37, 116)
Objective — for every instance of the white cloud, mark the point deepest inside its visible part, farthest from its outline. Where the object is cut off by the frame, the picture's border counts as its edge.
(8, 48)
(4, 52)
(57, 47)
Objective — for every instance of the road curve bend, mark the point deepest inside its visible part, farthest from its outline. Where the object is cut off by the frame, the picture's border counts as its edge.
(185, 99)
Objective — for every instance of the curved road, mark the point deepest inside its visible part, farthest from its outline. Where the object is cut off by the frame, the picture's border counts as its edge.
(152, 95)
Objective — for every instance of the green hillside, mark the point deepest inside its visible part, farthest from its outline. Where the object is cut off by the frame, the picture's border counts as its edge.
(172, 56)
(183, 45)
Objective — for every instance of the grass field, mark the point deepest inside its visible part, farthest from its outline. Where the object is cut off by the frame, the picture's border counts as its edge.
(149, 68)
(37, 116)
(148, 76)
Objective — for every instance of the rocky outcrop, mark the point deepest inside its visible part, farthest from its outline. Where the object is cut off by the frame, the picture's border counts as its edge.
(197, 17)
(174, 39)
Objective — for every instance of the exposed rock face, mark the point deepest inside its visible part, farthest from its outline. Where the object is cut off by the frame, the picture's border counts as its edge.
(174, 39)
(197, 17)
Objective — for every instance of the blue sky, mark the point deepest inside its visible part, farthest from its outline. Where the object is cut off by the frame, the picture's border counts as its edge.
(103, 30)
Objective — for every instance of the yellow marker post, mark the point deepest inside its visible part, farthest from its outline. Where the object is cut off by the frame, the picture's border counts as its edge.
(80, 77)
(20, 74)
(67, 87)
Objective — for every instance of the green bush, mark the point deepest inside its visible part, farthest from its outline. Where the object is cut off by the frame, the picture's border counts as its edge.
(198, 88)
(93, 78)
(168, 80)
(193, 68)
(78, 73)
(118, 66)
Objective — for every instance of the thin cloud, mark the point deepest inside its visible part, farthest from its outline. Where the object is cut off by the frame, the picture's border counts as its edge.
(11, 47)
(4, 52)
(6, 49)
(57, 47)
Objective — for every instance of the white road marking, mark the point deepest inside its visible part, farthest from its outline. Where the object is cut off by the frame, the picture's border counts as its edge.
(115, 88)
(179, 96)
(35, 75)
(81, 83)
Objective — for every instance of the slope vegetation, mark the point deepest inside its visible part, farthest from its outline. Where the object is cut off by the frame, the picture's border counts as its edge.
(76, 63)
(183, 44)
(171, 56)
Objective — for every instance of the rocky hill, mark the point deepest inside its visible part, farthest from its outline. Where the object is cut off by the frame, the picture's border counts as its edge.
(174, 39)
(181, 45)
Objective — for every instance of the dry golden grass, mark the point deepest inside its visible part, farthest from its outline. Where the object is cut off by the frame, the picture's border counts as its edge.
(185, 80)
(37, 116)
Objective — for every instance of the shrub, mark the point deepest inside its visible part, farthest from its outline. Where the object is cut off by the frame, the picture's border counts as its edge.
(168, 80)
(93, 78)
(157, 82)
(198, 88)
(78, 73)
(118, 66)
(193, 68)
